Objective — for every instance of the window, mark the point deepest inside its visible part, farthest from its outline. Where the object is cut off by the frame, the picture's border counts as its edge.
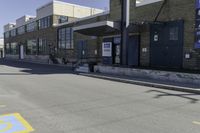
(42, 46)
(14, 50)
(65, 38)
(44, 22)
(31, 27)
(21, 30)
(7, 48)
(62, 19)
(13, 33)
(145, 2)
(7, 34)
(31, 47)
(173, 34)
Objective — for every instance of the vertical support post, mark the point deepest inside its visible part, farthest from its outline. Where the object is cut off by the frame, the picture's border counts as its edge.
(125, 20)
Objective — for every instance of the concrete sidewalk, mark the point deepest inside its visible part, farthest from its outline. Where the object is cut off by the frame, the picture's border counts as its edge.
(191, 88)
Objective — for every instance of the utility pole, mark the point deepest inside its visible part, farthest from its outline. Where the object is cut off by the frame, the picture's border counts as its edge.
(125, 21)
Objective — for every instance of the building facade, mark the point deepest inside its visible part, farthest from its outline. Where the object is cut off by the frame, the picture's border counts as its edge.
(34, 38)
(158, 34)
(1, 48)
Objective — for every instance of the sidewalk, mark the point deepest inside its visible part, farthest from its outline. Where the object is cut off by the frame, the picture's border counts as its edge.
(190, 88)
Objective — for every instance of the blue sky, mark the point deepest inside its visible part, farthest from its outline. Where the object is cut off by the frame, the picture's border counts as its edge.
(10, 10)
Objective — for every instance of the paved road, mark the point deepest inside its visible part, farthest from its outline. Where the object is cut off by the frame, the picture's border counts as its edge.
(53, 100)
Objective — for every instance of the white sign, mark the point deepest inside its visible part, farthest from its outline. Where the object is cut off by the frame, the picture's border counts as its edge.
(107, 49)
(155, 38)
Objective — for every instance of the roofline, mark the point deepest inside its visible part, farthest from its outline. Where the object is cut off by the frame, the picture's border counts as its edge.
(85, 18)
(66, 3)
(26, 16)
(57, 1)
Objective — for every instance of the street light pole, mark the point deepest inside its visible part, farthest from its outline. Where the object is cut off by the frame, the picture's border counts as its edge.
(125, 21)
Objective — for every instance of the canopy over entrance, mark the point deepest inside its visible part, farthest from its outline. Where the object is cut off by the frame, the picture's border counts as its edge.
(102, 28)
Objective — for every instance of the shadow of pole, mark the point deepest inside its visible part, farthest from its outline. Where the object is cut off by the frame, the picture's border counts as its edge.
(185, 96)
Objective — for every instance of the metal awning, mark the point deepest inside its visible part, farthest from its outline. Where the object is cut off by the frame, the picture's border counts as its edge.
(102, 28)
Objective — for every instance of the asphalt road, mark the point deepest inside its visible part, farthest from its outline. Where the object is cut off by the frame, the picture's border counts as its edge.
(54, 100)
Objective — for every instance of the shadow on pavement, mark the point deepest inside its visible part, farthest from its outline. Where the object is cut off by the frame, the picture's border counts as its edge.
(32, 68)
(185, 95)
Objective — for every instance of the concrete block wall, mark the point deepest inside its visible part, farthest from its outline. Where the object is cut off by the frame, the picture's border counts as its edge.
(173, 10)
(161, 76)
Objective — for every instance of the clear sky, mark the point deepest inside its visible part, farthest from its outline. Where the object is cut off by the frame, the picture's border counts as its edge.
(10, 10)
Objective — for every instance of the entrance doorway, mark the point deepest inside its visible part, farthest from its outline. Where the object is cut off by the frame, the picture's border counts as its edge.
(132, 52)
(166, 44)
(82, 49)
(1, 53)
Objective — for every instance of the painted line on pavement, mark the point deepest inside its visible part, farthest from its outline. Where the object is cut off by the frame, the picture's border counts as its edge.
(196, 122)
(2, 106)
(14, 123)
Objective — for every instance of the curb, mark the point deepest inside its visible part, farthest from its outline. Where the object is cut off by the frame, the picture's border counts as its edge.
(40, 63)
(142, 83)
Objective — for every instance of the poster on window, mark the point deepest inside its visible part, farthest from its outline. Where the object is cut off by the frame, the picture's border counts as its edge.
(107, 49)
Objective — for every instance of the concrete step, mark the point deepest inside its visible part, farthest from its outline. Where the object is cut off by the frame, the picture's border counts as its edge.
(83, 68)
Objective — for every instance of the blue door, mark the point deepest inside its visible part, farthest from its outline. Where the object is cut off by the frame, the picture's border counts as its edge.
(133, 51)
(166, 49)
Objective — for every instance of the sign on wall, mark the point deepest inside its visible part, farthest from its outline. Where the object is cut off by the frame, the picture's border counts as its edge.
(107, 49)
(197, 25)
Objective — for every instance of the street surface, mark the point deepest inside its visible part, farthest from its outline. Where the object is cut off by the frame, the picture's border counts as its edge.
(54, 100)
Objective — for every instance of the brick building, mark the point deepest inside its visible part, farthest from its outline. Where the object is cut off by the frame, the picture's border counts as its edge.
(160, 34)
(34, 38)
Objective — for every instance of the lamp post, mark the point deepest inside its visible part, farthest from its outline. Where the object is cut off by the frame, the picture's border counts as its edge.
(125, 21)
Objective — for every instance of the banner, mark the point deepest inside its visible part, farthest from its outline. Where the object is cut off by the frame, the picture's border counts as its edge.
(197, 25)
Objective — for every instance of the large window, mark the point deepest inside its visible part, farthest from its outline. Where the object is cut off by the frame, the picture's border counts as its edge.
(31, 47)
(42, 46)
(21, 30)
(44, 22)
(31, 27)
(7, 34)
(145, 2)
(65, 38)
(13, 33)
(14, 50)
(7, 48)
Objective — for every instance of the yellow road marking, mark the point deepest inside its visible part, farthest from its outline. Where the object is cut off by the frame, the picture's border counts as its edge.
(196, 122)
(7, 128)
(11, 119)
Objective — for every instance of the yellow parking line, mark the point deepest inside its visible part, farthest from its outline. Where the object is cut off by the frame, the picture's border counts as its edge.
(196, 122)
(12, 122)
